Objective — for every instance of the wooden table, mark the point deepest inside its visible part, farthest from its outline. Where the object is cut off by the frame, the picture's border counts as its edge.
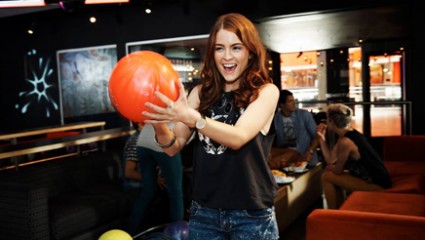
(294, 198)
(13, 136)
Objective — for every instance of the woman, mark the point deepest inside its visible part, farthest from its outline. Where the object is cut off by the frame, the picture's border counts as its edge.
(232, 112)
(352, 163)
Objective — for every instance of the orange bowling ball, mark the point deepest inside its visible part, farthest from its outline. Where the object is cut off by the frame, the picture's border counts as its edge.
(134, 80)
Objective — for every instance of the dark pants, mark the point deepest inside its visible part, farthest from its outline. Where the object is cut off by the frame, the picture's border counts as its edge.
(172, 171)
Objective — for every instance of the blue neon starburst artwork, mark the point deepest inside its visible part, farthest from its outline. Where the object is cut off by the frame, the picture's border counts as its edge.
(38, 89)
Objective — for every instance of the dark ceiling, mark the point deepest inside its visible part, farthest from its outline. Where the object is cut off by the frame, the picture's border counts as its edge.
(290, 26)
(253, 8)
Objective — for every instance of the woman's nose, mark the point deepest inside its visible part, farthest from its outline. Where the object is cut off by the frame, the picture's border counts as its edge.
(227, 54)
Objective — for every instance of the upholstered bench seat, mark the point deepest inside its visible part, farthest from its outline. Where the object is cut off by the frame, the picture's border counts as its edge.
(390, 203)
(371, 216)
(408, 184)
(402, 168)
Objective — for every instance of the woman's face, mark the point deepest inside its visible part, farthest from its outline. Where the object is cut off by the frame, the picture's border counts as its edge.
(230, 56)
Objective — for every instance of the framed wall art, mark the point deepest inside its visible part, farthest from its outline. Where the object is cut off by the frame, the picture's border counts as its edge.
(83, 78)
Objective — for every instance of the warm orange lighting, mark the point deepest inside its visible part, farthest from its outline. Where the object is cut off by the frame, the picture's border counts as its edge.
(105, 1)
(29, 3)
(40, 3)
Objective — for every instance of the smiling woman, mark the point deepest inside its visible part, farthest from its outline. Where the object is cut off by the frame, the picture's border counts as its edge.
(231, 111)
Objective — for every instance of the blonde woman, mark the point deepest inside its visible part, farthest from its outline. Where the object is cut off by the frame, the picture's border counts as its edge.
(352, 162)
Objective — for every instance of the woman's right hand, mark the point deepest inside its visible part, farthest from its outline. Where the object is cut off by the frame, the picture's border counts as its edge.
(321, 131)
(177, 111)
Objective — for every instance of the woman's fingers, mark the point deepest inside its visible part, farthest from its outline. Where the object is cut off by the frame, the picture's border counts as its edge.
(168, 113)
(182, 90)
(164, 99)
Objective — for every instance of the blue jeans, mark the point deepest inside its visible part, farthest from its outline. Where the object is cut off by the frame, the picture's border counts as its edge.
(216, 224)
(172, 171)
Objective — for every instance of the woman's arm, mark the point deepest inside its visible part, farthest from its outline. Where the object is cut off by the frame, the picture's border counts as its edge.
(341, 152)
(131, 171)
(179, 114)
(257, 117)
(324, 148)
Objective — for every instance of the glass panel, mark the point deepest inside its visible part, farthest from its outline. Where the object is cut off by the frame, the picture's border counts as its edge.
(355, 74)
(385, 86)
(385, 76)
(299, 74)
(185, 53)
(386, 120)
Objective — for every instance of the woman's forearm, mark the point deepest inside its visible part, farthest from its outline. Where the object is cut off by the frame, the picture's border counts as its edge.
(325, 151)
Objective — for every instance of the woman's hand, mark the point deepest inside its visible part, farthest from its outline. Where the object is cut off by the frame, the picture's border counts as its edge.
(321, 131)
(177, 111)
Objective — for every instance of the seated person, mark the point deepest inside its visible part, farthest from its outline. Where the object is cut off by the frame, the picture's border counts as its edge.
(296, 135)
(352, 163)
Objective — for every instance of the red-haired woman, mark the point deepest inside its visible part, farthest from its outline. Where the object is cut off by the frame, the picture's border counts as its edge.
(232, 112)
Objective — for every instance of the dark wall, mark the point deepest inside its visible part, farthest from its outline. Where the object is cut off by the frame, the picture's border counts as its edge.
(118, 24)
(57, 30)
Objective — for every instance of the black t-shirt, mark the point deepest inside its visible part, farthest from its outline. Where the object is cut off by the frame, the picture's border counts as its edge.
(232, 179)
(370, 160)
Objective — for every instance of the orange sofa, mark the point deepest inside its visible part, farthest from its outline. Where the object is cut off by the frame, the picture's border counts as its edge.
(404, 155)
(371, 216)
(395, 213)
(405, 160)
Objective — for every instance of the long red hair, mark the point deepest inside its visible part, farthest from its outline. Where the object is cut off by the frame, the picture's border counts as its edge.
(254, 76)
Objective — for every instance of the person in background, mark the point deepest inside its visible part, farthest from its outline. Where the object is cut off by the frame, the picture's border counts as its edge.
(151, 157)
(296, 130)
(131, 172)
(352, 163)
(231, 112)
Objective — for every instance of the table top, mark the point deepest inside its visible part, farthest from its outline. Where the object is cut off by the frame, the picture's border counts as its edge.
(49, 129)
(56, 143)
(301, 176)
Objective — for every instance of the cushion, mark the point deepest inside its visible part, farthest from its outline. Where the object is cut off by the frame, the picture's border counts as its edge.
(405, 167)
(383, 202)
(404, 148)
(408, 184)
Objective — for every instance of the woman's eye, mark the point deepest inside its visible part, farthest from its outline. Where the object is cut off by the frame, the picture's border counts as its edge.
(238, 47)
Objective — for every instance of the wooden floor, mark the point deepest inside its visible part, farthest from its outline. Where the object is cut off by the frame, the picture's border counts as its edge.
(386, 121)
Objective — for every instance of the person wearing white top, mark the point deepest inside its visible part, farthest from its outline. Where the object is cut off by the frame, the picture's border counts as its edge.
(150, 158)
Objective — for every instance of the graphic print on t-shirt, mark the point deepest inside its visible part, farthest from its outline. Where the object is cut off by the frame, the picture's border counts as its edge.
(288, 132)
(222, 112)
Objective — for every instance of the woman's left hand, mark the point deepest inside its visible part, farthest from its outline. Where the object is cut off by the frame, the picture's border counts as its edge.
(321, 131)
(176, 111)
